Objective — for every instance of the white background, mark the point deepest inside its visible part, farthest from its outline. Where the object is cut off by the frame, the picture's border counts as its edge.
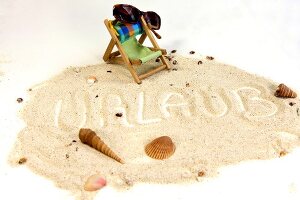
(40, 38)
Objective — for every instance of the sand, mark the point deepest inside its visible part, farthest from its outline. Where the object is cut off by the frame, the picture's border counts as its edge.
(216, 115)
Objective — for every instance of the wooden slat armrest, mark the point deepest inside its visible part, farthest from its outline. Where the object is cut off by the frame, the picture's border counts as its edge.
(163, 51)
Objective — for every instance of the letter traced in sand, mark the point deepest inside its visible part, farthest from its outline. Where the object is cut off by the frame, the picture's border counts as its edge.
(251, 97)
(115, 104)
(89, 137)
(140, 119)
(66, 112)
(212, 105)
(164, 105)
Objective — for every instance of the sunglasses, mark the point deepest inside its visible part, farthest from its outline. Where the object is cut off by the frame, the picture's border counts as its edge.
(130, 14)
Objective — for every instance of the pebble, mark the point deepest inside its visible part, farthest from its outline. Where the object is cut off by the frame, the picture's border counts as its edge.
(201, 173)
(199, 62)
(77, 70)
(119, 114)
(209, 58)
(192, 52)
(175, 62)
(91, 80)
(292, 103)
(94, 182)
(19, 100)
(22, 161)
(173, 51)
(282, 153)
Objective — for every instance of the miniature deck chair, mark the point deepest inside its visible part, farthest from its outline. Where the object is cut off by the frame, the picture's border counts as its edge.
(132, 52)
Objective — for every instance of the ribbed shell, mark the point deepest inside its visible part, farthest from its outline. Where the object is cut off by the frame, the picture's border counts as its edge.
(284, 91)
(160, 148)
(89, 137)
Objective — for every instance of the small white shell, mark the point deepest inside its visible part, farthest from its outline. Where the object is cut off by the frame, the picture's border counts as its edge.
(91, 80)
(94, 182)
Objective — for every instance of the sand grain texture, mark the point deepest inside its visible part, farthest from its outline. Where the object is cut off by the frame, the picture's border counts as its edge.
(215, 114)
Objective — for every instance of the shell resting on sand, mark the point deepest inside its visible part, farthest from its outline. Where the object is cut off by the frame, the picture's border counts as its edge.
(160, 148)
(94, 182)
(89, 137)
(284, 91)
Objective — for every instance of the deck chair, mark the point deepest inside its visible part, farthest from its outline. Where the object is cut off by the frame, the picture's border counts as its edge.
(131, 52)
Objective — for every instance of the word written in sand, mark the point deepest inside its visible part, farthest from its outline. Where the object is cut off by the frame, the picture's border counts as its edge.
(144, 108)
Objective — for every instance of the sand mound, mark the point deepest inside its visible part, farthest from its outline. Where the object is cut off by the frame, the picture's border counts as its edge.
(215, 114)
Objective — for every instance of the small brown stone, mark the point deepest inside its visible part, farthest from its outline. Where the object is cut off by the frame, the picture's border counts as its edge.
(292, 103)
(174, 69)
(76, 149)
(282, 153)
(199, 62)
(175, 62)
(29, 89)
(74, 141)
(157, 60)
(173, 51)
(209, 58)
(192, 52)
(119, 114)
(22, 161)
(67, 156)
(201, 173)
(108, 71)
(19, 100)
(187, 85)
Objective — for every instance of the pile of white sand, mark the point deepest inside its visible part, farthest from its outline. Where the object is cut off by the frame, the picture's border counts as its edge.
(215, 114)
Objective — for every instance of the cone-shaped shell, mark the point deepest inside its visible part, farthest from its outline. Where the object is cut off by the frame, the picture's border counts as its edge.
(160, 148)
(284, 91)
(89, 137)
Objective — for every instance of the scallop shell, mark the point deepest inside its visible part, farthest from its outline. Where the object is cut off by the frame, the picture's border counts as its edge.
(89, 137)
(160, 148)
(284, 91)
(94, 182)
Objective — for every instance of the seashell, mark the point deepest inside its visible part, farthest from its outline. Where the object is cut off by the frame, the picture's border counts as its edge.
(284, 91)
(160, 148)
(94, 182)
(89, 137)
(91, 80)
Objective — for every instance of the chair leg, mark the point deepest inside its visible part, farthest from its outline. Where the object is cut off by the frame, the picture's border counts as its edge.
(134, 74)
(164, 61)
(109, 50)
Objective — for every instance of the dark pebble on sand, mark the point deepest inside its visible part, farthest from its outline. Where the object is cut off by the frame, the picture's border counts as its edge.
(19, 100)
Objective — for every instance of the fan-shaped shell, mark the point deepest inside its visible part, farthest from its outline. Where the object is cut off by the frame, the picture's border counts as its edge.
(160, 148)
(284, 91)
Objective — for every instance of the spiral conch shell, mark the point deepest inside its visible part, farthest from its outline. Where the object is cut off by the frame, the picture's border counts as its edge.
(160, 148)
(89, 137)
(284, 91)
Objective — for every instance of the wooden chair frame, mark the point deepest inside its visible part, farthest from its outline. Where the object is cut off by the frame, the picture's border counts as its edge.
(120, 57)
